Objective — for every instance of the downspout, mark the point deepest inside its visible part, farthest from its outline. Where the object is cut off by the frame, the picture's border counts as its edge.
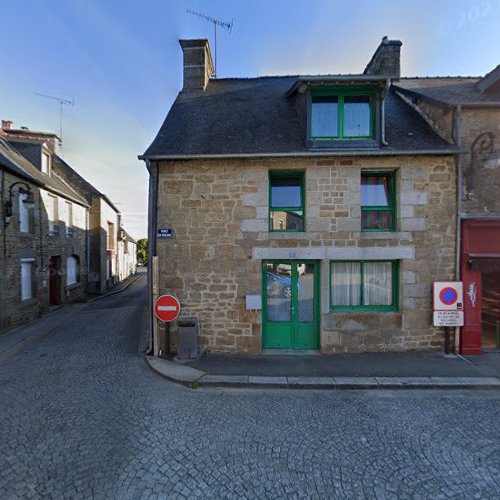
(382, 113)
(152, 206)
(457, 132)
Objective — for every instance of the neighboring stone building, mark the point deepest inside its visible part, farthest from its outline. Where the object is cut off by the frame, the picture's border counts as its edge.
(59, 234)
(126, 255)
(308, 212)
(466, 111)
(104, 223)
(43, 235)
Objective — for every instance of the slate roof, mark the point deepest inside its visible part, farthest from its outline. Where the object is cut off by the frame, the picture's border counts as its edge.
(255, 116)
(20, 166)
(449, 90)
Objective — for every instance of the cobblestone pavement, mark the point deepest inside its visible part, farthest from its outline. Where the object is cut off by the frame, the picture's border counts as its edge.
(83, 417)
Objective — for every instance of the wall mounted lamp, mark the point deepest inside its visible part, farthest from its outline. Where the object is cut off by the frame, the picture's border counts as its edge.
(29, 201)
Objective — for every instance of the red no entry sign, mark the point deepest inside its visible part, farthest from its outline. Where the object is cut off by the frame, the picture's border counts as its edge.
(167, 308)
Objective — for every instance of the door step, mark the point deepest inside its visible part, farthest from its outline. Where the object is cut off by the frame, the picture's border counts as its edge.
(291, 352)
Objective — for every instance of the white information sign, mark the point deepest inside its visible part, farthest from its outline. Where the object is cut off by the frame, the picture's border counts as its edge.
(448, 296)
(448, 318)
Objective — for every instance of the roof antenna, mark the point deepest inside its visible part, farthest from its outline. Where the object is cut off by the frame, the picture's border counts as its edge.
(62, 102)
(216, 22)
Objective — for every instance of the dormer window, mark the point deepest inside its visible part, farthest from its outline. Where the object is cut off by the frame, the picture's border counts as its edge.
(45, 163)
(342, 114)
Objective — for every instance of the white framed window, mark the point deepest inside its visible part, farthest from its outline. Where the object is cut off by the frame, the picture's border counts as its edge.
(45, 163)
(27, 278)
(52, 213)
(69, 219)
(24, 214)
(72, 270)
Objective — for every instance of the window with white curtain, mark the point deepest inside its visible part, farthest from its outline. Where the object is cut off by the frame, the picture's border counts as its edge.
(24, 214)
(72, 270)
(52, 213)
(27, 278)
(364, 285)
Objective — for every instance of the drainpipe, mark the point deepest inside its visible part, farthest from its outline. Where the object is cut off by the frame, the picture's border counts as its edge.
(382, 113)
(152, 207)
(457, 129)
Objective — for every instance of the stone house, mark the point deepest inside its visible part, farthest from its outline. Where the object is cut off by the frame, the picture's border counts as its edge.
(104, 223)
(466, 112)
(60, 236)
(307, 212)
(43, 235)
(126, 255)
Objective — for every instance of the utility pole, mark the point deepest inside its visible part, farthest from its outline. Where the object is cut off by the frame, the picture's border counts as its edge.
(216, 22)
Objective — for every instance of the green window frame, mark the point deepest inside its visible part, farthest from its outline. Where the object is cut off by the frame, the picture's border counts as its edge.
(340, 93)
(377, 218)
(362, 290)
(293, 212)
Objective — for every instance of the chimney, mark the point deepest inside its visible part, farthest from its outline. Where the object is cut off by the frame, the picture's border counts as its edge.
(198, 65)
(385, 61)
(7, 124)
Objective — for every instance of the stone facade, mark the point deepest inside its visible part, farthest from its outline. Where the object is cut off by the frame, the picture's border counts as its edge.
(219, 212)
(36, 247)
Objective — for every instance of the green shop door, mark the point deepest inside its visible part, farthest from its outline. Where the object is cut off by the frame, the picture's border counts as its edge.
(291, 305)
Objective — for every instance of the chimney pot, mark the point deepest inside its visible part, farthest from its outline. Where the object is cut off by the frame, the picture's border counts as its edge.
(7, 124)
(198, 64)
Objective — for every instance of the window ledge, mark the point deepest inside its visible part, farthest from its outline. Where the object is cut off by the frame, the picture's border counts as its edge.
(385, 235)
(343, 144)
(73, 286)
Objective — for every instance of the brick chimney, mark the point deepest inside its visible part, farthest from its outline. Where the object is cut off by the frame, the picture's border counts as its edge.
(7, 124)
(198, 65)
(386, 59)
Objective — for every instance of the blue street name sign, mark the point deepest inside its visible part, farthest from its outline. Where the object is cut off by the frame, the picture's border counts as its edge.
(164, 234)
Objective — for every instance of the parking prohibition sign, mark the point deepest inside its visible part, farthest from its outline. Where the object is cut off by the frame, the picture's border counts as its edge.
(167, 308)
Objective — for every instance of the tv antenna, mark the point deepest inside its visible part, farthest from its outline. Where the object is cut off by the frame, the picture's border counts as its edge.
(62, 102)
(216, 22)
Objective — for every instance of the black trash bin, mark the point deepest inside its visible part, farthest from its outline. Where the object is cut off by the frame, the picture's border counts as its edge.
(187, 337)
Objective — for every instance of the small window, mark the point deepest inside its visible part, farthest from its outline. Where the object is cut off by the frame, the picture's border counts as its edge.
(69, 219)
(27, 282)
(286, 201)
(364, 285)
(378, 201)
(72, 270)
(341, 115)
(52, 214)
(26, 214)
(111, 236)
(45, 163)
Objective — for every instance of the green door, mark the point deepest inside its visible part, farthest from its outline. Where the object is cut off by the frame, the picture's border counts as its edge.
(291, 305)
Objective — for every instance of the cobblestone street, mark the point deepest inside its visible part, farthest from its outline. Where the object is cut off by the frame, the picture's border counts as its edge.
(83, 417)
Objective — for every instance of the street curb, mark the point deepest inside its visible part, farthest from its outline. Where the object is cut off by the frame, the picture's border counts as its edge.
(191, 376)
(109, 294)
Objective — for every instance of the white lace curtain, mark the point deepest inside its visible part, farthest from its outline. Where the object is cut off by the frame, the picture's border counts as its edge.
(350, 288)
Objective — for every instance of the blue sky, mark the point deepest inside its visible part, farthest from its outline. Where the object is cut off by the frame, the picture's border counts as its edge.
(120, 61)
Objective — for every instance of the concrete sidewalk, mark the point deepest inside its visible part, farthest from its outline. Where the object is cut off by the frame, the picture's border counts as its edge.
(357, 371)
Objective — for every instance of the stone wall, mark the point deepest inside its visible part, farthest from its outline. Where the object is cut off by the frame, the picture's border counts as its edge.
(480, 136)
(219, 213)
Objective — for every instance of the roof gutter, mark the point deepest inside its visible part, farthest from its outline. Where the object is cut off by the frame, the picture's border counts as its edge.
(302, 154)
